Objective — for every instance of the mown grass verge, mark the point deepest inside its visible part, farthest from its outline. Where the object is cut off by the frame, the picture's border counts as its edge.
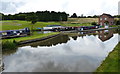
(16, 24)
(111, 63)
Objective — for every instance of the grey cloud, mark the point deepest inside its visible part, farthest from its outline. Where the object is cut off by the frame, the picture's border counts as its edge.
(10, 7)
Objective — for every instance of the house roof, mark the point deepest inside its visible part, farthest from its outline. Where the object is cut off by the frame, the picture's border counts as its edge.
(107, 15)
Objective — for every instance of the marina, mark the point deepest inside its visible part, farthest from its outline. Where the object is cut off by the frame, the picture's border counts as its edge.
(72, 54)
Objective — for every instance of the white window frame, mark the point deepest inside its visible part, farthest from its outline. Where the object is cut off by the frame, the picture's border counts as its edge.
(105, 18)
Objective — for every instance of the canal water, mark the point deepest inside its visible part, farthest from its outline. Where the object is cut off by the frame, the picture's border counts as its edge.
(62, 54)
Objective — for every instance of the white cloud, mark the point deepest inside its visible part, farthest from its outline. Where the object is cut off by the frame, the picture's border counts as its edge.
(86, 7)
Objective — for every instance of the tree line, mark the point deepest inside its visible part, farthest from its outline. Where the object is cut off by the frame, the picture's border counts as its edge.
(44, 16)
(74, 15)
(82, 16)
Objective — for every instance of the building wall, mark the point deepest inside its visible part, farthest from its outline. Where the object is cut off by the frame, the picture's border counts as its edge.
(104, 18)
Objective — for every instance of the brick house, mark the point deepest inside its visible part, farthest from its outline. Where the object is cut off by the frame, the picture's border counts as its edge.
(106, 19)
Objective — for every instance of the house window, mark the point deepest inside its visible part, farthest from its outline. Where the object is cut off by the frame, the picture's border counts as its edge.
(101, 18)
(105, 18)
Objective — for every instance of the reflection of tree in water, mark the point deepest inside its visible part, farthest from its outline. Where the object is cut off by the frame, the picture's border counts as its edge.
(9, 52)
(119, 31)
(74, 37)
(52, 41)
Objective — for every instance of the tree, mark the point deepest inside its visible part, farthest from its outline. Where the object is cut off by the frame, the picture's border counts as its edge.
(32, 18)
(94, 23)
(117, 22)
(95, 16)
(74, 15)
(44, 16)
(1, 16)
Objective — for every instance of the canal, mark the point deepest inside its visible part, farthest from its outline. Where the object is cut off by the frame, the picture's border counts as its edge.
(63, 53)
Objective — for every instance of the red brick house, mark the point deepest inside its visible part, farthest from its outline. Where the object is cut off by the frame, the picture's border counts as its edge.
(106, 19)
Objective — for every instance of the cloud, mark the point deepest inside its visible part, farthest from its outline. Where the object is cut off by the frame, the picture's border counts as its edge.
(86, 7)
(10, 7)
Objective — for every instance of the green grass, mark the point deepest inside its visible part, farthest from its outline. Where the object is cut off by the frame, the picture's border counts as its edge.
(76, 25)
(16, 24)
(34, 36)
(11, 44)
(82, 20)
(111, 63)
(114, 25)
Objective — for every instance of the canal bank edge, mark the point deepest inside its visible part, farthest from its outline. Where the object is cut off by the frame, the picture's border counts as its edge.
(11, 45)
(38, 39)
(111, 63)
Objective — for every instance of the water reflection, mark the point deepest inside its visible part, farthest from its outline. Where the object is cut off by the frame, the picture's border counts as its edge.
(74, 37)
(74, 55)
(53, 41)
(105, 35)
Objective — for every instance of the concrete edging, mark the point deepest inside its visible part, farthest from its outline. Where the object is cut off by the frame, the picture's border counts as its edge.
(38, 39)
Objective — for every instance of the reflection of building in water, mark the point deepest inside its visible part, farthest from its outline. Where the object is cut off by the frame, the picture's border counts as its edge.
(105, 35)
(87, 32)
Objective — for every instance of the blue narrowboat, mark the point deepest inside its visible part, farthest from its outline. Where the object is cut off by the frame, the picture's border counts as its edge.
(14, 33)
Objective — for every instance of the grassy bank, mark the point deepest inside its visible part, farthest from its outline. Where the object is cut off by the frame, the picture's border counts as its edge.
(9, 44)
(16, 24)
(82, 20)
(111, 63)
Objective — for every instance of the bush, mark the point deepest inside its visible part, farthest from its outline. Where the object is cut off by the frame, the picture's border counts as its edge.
(8, 45)
(94, 23)
(118, 22)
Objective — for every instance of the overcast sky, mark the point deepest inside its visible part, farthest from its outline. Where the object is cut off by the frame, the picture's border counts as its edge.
(86, 7)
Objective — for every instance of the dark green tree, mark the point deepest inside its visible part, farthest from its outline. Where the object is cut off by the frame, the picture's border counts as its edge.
(33, 19)
(74, 15)
(94, 23)
(117, 22)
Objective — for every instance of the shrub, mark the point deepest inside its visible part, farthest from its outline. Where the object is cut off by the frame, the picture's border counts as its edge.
(8, 45)
(94, 23)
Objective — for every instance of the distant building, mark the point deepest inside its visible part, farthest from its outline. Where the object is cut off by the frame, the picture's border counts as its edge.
(106, 20)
